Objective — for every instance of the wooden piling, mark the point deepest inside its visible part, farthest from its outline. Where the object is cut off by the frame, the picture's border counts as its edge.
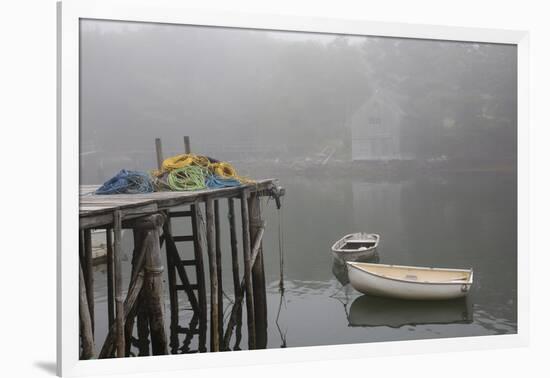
(136, 285)
(153, 285)
(214, 309)
(197, 245)
(187, 144)
(110, 277)
(137, 263)
(219, 265)
(235, 265)
(158, 149)
(258, 274)
(237, 306)
(248, 271)
(174, 313)
(89, 273)
(86, 335)
(119, 299)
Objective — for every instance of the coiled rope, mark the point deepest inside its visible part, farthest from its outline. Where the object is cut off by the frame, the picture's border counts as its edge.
(190, 177)
(127, 182)
(178, 173)
(216, 182)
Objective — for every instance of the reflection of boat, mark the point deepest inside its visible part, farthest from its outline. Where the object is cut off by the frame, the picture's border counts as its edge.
(369, 311)
(355, 246)
(409, 282)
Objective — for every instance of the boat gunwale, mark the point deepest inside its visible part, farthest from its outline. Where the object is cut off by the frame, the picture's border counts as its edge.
(468, 283)
(334, 249)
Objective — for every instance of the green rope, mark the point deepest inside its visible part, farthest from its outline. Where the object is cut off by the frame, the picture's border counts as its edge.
(191, 177)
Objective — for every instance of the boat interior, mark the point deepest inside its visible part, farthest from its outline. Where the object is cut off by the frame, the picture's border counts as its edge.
(358, 244)
(417, 274)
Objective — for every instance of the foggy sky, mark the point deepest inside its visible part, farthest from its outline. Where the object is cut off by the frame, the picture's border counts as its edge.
(250, 94)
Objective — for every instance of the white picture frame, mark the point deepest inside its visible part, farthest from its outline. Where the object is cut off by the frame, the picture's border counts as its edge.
(172, 11)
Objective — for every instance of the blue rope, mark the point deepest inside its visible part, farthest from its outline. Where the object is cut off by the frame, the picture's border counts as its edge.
(129, 182)
(216, 182)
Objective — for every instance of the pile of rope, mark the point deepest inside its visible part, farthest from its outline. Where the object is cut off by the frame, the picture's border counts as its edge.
(178, 173)
(127, 182)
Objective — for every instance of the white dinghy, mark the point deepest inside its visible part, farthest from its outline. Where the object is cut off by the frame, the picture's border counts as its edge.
(409, 282)
(356, 246)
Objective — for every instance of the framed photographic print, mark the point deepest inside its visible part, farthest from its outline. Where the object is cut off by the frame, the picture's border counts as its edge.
(278, 189)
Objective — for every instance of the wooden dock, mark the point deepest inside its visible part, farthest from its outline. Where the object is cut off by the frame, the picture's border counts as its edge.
(149, 217)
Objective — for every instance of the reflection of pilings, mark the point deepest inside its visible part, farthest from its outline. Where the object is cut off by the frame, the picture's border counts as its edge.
(258, 274)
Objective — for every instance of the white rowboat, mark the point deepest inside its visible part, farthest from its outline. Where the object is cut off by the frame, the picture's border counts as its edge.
(409, 282)
(356, 246)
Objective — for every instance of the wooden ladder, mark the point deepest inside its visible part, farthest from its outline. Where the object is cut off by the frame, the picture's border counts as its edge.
(178, 279)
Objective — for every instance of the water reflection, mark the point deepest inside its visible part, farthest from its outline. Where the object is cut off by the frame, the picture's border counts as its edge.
(370, 311)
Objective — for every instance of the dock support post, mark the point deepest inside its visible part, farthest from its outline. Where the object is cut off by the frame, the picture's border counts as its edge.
(219, 265)
(119, 299)
(89, 273)
(258, 274)
(235, 262)
(248, 271)
(153, 283)
(174, 311)
(214, 322)
(197, 245)
(86, 335)
(158, 150)
(110, 277)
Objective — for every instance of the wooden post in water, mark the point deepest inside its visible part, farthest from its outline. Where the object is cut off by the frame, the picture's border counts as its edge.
(219, 265)
(248, 271)
(86, 335)
(214, 314)
(110, 277)
(258, 274)
(174, 311)
(153, 282)
(235, 263)
(89, 273)
(137, 263)
(197, 245)
(119, 299)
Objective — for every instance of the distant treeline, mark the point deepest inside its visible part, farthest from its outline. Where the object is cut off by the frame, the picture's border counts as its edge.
(290, 95)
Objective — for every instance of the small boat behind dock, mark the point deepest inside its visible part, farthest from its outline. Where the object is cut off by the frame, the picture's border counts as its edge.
(359, 245)
(409, 282)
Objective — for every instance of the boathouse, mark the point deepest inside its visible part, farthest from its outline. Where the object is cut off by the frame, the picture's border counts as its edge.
(376, 128)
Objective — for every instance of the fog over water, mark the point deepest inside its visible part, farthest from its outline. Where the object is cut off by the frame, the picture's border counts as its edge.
(412, 139)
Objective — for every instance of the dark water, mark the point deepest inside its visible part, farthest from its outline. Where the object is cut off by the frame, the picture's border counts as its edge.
(451, 220)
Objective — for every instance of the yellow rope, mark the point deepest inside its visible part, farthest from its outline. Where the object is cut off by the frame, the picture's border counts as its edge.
(226, 170)
(222, 169)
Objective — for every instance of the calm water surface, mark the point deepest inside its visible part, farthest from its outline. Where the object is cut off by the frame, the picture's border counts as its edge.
(450, 220)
